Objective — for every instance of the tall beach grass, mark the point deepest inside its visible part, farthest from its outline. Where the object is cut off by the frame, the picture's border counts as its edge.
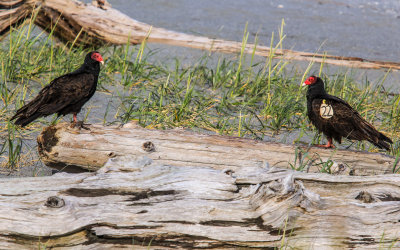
(242, 96)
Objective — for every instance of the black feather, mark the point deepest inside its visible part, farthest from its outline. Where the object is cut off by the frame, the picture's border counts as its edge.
(345, 122)
(64, 95)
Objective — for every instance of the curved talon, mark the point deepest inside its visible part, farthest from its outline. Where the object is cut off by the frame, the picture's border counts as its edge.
(79, 124)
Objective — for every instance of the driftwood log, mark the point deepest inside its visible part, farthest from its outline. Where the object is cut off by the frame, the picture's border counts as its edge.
(71, 150)
(98, 24)
(147, 197)
(134, 202)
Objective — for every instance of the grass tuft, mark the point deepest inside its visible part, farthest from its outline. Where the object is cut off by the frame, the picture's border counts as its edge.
(245, 96)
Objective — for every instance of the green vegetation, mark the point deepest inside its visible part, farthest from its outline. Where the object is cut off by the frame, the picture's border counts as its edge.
(244, 96)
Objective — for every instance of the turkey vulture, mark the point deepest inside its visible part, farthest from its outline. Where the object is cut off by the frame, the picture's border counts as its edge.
(336, 118)
(65, 94)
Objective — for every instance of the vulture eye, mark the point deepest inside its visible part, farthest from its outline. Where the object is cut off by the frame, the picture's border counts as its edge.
(312, 79)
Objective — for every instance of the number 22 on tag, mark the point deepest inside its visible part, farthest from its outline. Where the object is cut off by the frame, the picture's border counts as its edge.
(326, 111)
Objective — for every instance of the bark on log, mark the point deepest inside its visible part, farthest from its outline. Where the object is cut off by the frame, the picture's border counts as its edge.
(73, 150)
(97, 26)
(12, 13)
(137, 203)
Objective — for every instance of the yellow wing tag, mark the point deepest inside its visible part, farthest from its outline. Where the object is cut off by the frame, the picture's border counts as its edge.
(325, 110)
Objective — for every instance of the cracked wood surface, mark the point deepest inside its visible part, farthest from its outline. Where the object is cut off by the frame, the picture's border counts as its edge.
(98, 26)
(136, 202)
(73, 150)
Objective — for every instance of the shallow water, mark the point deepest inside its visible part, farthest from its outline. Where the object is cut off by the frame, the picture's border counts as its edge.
(360, 28)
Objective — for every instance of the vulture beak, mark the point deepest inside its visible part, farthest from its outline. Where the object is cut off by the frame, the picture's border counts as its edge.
(306, 82)
(102, 62)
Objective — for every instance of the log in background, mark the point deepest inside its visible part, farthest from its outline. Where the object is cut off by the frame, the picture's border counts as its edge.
(92, 25)
(71, 150)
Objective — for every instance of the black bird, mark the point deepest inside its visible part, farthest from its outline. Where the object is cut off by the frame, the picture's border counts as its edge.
(336, 118)
(65, 94)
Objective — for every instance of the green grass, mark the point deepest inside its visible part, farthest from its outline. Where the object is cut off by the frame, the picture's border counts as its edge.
(243, 96)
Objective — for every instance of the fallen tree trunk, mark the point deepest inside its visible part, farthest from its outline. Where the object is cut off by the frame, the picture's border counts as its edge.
(12, 13)
(87, 24)
(71, 150)
(137, 203)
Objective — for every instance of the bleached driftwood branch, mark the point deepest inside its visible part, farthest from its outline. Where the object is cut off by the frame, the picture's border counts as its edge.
(97, 25)
(139, 203)
(69, 149)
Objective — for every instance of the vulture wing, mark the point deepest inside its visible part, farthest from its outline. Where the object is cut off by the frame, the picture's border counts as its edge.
(336, 118)
(63, 92)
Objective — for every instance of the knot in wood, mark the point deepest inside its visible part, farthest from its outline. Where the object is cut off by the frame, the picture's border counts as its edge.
(365, 197)
(149, 146)
(228, 171)
(54, 202)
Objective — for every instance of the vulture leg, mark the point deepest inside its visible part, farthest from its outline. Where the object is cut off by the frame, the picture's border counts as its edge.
(328, 145)
(77, 123)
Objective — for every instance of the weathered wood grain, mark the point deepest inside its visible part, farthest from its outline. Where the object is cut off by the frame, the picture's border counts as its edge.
(13, 13)
(96, 25)
(137, 202)
(71, 149)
